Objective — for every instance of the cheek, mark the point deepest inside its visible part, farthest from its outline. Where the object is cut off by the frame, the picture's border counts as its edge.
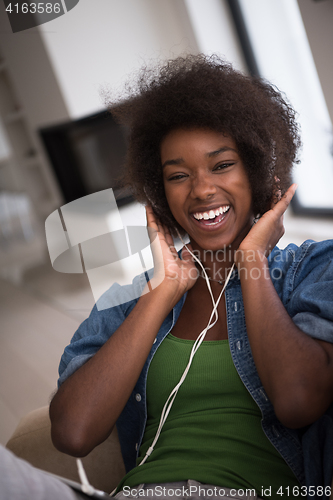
(172, 196)
(244, 199)
(245, 191)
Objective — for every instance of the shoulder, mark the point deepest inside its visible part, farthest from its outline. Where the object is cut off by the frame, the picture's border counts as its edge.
(105, 318)
(115, 304)
(305, 285)
(123, 296)
(311, 260)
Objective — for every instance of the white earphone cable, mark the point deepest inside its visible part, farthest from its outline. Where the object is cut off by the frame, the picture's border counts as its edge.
(196, 345)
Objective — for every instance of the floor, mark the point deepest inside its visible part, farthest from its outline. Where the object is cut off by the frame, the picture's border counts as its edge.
(39, 317)
(38, 320)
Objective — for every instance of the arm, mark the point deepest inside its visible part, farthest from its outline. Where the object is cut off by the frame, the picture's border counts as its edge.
(87, 405)
(295, 369)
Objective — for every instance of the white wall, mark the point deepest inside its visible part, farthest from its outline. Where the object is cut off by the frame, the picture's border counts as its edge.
(101, 43)
(284, 57)
(215, 31)
(31, 74)
(318, 21)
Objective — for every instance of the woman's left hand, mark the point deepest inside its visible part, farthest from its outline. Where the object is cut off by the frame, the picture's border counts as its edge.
(265, 234)
(294, 368)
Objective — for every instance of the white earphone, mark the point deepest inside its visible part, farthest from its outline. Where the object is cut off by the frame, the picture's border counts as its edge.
(196, 345)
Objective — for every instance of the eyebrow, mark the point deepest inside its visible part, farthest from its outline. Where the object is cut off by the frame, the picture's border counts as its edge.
(211, 154)
(221, 150)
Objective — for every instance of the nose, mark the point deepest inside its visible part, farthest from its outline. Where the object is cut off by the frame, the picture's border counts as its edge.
(203, 186)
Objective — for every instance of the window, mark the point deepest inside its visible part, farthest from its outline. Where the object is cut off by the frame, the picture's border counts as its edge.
(283, 56)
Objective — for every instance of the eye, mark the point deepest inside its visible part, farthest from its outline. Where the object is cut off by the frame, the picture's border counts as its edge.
(222, 166)
(177, 177)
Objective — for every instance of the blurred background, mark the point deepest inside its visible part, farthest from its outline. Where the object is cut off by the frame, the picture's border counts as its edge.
(57, 144)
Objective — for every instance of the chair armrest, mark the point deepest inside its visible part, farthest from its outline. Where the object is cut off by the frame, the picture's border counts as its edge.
(31, 441)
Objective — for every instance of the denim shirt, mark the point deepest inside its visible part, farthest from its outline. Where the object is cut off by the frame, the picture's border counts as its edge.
(303, 279)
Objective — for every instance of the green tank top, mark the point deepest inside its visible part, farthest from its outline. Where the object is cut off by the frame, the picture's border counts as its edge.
(213, 432)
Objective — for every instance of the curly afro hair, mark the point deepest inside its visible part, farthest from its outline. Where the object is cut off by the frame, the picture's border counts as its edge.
(198, 91)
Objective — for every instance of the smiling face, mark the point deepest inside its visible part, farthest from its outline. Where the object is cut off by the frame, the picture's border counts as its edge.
(207, 187)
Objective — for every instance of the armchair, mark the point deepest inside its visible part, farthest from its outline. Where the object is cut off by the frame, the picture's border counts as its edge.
(31, 441)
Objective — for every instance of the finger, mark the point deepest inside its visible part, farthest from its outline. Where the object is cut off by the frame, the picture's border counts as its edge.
(277, 194)
(186, 256)
(161, 228)
(152, 226)
(168, 237)
(276, 197)
(155, 228)
(153, 221)
(169, 240)
(151, 218)
(281, 206)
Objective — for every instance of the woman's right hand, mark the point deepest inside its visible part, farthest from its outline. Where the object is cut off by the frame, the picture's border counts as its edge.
(169, 269)
(106, 381)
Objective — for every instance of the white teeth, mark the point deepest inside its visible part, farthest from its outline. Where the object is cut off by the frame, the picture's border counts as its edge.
(211, 214)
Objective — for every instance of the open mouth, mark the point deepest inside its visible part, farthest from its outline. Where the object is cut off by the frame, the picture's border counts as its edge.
(212, 217)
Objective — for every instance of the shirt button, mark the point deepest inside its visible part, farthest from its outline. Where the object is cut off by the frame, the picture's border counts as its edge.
(138, 397)
(155, 341)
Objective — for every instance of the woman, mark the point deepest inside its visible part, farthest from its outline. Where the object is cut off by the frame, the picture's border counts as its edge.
(210, 153)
